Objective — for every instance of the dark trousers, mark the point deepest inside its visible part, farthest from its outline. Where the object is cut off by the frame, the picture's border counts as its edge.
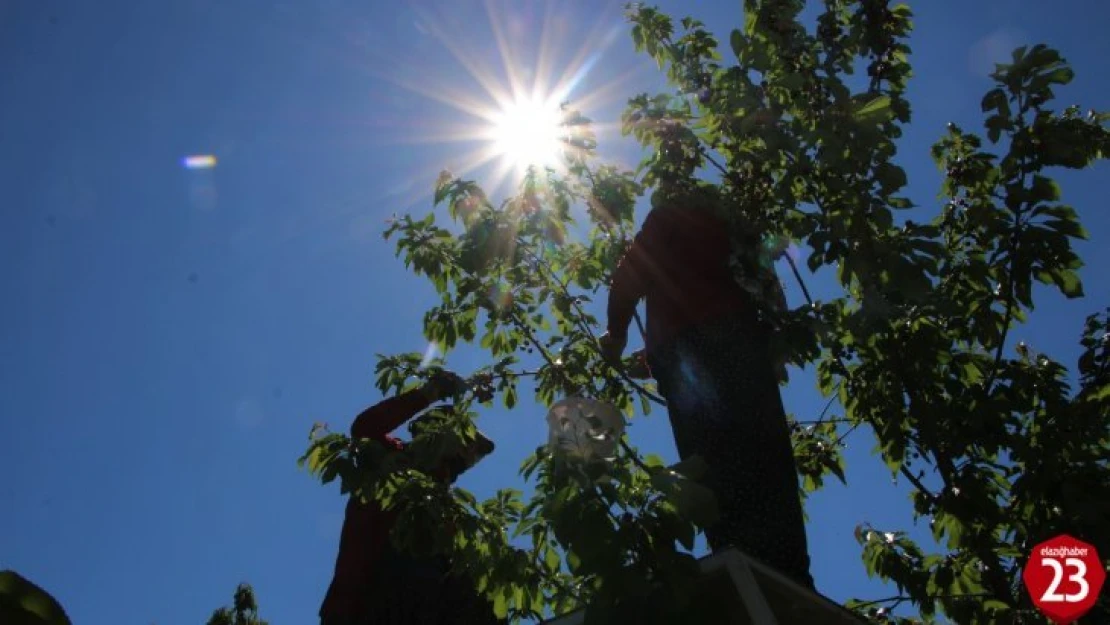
(411, 591)
(724, 405)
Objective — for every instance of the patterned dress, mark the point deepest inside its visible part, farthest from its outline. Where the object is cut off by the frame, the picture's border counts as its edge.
(711, 357)
(411, 591)
(724, 405)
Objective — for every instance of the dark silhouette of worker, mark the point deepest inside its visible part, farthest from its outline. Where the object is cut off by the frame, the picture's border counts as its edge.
(376, 583)
(707, 348)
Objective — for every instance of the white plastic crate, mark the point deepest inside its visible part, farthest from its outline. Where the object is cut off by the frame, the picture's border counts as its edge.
(757, 594)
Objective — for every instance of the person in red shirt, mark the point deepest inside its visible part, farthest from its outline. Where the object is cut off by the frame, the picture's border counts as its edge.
(373, 581)
(707, 348)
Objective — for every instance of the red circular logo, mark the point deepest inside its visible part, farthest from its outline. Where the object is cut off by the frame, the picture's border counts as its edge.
(1064, 577)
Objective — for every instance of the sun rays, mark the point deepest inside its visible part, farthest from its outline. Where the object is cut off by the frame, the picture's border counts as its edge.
(505, 111)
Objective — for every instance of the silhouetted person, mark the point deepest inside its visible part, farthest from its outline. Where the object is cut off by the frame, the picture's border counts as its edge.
(709, 353)
(376, 583)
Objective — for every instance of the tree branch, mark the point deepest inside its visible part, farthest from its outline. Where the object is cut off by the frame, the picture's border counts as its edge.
(731, 176)
(894, 601)
(917, 483)
(820, 421)
(1012, 270)
(582, 325)
(635, 456)
(840, 439)
(833, 397)
(897, 600)
(798, 277)
(531, 336)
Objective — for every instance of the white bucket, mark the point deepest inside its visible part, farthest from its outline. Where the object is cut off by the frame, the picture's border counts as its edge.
(584, 429)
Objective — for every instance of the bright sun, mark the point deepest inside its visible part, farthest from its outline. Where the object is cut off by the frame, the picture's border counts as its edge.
(527, 132)
(514, 120)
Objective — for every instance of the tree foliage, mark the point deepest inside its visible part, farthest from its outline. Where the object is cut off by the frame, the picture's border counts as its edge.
(243, 609)
(22, 602)
(779, 135)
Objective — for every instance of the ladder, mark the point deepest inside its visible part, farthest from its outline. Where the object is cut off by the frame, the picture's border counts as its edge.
(756, 595)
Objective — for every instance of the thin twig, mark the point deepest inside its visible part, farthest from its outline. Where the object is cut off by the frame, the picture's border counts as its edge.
(833, 397)
(721, 168)
(527, 373)
(798, 277)
(580, 321)
(909, 476)
(840, 439)
(639, 324)
(1011, 278)
(822, 421)
(902, 469)
(917, 483)
(635, 456)
(527, 330)
(897, 600)
(731, 176)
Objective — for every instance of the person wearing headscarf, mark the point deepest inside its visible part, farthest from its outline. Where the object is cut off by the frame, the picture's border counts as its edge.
(373, 581)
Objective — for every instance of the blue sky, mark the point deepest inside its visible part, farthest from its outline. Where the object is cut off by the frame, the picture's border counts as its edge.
(170, 335)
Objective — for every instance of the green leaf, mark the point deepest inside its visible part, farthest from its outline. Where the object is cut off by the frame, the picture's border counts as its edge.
(444, 184)
(22, 602)
(518, 596)
(995, 100)
(835, 464)
(693, 467)
(1060, 76)
(1066, 280)
(891, 176)
(694, 502)
(737, 41)
(552, 560)
(994, 605)
(501, 605)
(874, 111)
(573, 561)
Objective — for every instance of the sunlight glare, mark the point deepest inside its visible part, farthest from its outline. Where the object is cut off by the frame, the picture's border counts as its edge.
(516, 121)
(527, 132)
(430, 354)
(199, 161)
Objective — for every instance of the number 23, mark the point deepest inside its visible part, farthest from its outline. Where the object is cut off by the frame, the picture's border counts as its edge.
(1079, 577)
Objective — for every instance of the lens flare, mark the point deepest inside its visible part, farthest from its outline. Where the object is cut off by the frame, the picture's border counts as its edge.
(199, 161)
(430, 354)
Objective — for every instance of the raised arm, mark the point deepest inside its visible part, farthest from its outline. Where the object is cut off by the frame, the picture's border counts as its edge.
(633, 275)
(388, 414)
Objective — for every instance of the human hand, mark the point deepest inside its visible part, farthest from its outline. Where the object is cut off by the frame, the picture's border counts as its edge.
(639, 369)
(444, 384)
(481, 385)
(611, 348)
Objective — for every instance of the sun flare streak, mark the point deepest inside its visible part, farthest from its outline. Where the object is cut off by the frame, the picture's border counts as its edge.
(513, 108)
